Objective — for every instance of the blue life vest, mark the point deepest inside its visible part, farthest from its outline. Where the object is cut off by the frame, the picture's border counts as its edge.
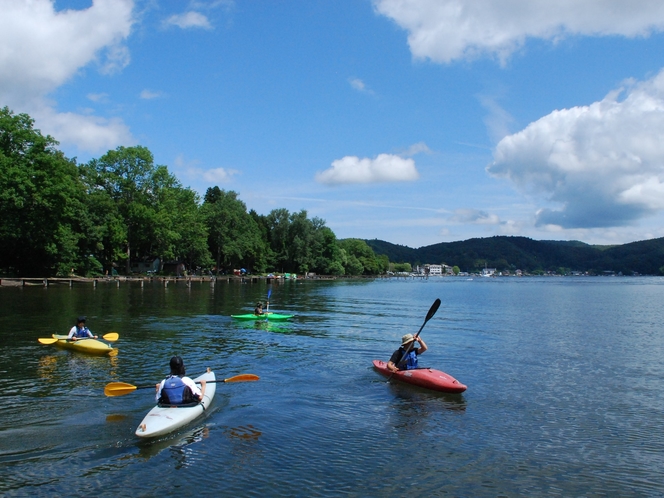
(408, 361)
(84, 332)
(173, 391)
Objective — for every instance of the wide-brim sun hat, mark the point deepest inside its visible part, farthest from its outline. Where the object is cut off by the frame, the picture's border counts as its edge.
(407, 339)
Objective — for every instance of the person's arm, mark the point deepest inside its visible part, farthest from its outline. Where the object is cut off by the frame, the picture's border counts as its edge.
(394, 360)
(90, 334)
(392, 367)
(423, 346)
(72, 332)
(194, 388)
(158, 387)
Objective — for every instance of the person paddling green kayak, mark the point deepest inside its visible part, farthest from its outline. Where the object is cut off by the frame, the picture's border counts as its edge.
(258, 310)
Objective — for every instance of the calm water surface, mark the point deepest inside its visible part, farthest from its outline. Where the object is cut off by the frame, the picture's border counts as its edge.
(565, 396)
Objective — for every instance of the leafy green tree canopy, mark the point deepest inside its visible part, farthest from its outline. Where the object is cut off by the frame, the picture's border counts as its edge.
(41, 201)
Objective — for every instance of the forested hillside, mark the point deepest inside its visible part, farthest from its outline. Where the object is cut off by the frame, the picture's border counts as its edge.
(533, 256)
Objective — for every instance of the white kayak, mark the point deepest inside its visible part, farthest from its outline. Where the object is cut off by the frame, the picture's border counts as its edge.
(164, 419)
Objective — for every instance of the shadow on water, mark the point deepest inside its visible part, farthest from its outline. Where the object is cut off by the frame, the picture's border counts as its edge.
(177, 444)
(182, 446)
(267, 326)
(424, 400)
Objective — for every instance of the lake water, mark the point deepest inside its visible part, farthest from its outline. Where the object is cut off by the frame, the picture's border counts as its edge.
(565, 390)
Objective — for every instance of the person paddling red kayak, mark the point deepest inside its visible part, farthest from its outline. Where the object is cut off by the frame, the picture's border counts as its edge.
(405, 358)
(403, 364)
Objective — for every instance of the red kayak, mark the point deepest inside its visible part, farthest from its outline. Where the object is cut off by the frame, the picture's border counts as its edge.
(424, 377)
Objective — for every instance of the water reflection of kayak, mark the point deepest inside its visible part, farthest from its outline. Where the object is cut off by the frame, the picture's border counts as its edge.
(423, 377)
(264, 316)
(164, 419)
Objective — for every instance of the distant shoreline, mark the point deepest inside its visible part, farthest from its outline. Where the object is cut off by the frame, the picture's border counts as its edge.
(188, 280)
(165, 280)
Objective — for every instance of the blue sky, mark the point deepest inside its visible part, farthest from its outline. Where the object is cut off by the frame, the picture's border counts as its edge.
(411, 121)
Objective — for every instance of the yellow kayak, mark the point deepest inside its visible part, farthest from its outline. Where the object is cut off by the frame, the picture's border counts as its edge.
(91, 346)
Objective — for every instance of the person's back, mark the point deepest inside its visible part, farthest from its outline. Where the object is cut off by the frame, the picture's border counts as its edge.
(177, 389)
(176, 392)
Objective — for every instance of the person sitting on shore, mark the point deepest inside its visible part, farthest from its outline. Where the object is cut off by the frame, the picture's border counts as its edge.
(405, 358)
(177, 389)
(80, 331)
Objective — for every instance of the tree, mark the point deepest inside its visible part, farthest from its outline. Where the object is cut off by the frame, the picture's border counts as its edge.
(41, 201)
(234, 237)
(358, 250)
(180, 231)
(403, 267)
(131, 181)
(278, 225)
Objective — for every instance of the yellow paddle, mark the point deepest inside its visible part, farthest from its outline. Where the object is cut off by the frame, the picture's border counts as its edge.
(122, 388)
(111, 337)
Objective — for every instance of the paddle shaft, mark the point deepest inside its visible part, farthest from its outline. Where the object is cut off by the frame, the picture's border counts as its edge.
(122, 388)
(267, 309)
(220, 381)
(111, 337)
(249, 377)
(432, 311)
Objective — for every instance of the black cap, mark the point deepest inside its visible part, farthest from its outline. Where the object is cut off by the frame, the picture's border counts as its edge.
(80, 319)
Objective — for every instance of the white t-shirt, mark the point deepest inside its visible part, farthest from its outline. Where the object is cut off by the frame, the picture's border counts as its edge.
(74, 329)
(186, 381)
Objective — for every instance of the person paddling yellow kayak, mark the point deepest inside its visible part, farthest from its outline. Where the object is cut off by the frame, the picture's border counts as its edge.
(80, 331)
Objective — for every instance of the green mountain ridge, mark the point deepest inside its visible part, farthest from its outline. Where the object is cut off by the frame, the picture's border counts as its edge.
(521, 253)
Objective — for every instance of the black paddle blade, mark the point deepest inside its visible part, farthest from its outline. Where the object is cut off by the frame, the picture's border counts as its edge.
(432, 310)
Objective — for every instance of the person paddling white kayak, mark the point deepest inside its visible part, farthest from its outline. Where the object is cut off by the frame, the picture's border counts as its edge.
(405, 358)
(177, 389)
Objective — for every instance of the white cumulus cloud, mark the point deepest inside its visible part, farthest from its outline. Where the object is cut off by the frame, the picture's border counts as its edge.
(602, 164)
(383, 168)
(187, 20)
(474, 216)
(149, 94)
(415, 149)
(89, 133)
(219, 175)
(446, 30)
(41, 49)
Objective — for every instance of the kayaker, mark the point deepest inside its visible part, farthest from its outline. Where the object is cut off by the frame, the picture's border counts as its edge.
(177, 389)
(258, 310)
(80, 331)
(405, 358)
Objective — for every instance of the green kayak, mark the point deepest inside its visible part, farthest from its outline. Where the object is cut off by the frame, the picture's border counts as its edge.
(264, 316)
